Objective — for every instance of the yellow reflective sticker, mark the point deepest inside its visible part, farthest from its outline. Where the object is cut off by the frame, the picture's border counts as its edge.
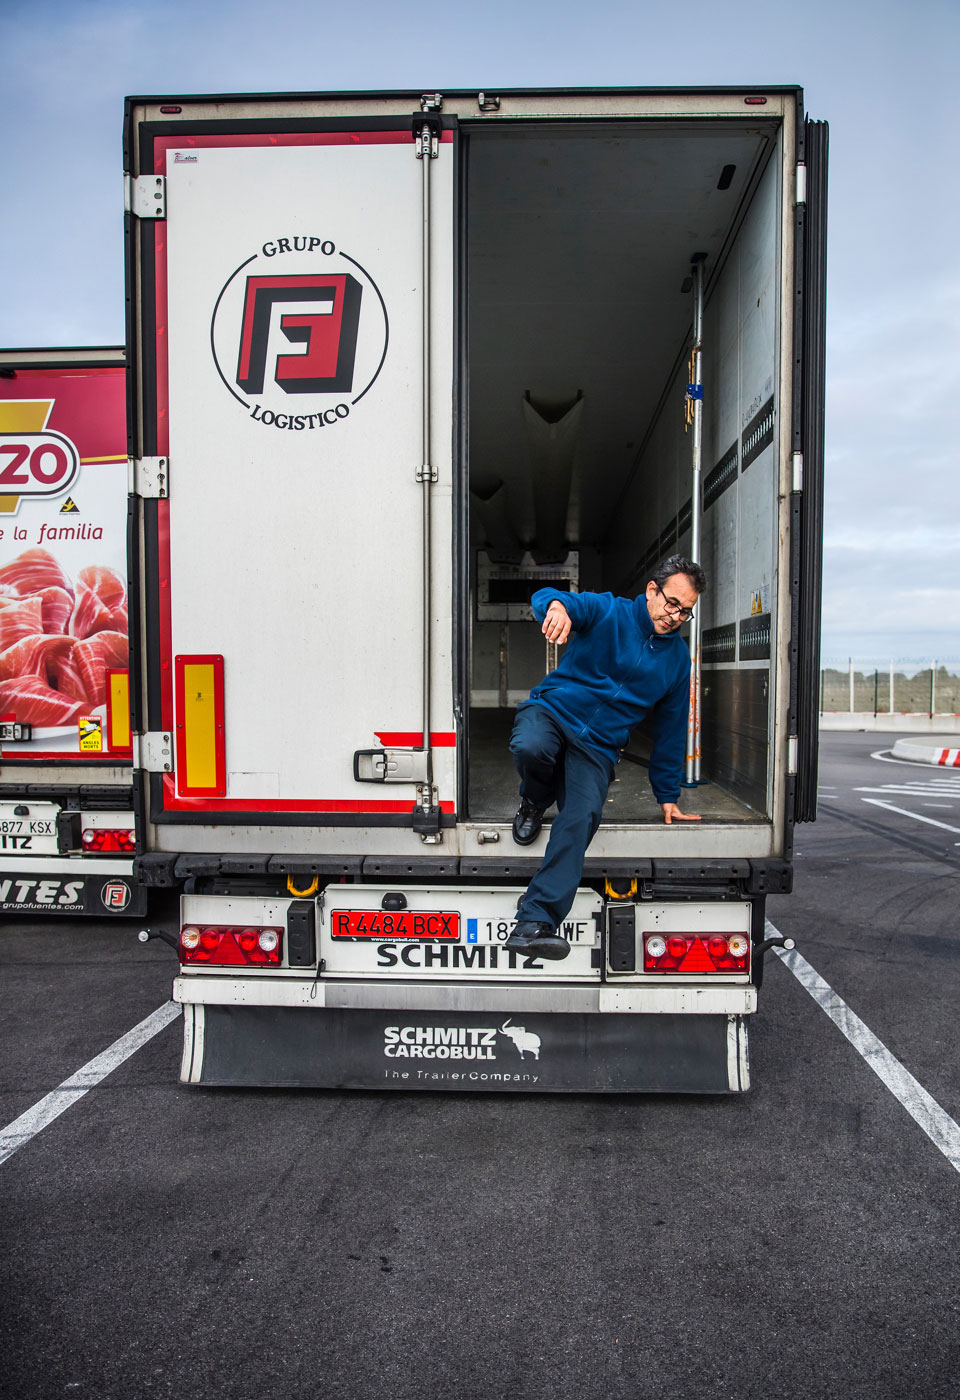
(118, 709)
(200, 725)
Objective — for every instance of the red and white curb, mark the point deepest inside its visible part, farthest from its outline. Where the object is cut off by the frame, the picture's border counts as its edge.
(916, 751)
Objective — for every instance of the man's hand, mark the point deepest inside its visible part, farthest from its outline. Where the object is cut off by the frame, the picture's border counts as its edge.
(556, 624)
(671, 813)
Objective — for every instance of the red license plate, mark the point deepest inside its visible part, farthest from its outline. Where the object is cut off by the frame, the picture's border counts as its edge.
(388, 924)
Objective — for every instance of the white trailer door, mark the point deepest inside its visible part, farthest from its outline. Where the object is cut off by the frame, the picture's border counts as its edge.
(309, 600)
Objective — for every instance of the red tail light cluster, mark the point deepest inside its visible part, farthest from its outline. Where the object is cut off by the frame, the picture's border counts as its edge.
(109, 839)
(693, 952)
(231, 945)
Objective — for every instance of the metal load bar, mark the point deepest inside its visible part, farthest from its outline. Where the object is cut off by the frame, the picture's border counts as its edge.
(695, 397)
(427, 149)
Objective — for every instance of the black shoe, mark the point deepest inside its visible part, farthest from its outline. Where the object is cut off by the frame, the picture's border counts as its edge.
(538, 941)
(527, 822)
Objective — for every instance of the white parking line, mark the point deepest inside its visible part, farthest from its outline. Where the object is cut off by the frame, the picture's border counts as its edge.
(917, 816)
(42, 1114)
(939, 1127)
(931, 789)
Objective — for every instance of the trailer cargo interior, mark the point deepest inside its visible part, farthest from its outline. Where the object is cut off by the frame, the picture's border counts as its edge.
(446, 350)
(579, 244)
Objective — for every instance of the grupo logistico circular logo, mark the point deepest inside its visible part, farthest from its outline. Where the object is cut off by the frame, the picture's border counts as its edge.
(299, 333)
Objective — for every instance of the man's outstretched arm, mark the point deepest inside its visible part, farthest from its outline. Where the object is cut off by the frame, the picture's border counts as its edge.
(574, 612)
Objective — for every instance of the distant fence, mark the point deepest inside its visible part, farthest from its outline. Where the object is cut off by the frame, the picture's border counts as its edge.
(896, 688)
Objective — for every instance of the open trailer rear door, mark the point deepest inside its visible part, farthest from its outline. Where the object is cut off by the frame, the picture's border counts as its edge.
(295, 465)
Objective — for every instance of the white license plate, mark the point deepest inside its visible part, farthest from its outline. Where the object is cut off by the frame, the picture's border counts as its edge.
(449, 933)
(28, 828)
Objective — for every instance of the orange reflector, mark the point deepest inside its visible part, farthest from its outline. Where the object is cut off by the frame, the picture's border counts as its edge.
(201, 764)
(118, 709)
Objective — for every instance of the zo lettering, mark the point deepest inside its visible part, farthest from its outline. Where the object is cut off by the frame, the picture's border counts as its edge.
(36, 464)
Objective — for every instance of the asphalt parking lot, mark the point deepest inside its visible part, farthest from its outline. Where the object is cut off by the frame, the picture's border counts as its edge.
(797, 1241)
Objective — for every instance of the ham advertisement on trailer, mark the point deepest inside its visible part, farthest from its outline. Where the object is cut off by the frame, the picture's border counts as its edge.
(64, 689)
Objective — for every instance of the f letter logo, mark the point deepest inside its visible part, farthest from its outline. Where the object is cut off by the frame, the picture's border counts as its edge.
(115, 895)
(299, 349)
(329, 332)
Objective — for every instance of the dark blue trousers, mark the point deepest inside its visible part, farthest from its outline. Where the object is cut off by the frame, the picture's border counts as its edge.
(554, 768)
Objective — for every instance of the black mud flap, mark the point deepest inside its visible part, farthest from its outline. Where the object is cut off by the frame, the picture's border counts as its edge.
(598, 1053)
(98, 896)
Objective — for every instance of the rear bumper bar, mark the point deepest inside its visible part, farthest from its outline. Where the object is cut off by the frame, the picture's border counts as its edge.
(308, 993)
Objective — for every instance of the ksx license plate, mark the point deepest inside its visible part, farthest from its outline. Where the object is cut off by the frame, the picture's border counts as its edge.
(29, 827)
(388, 925)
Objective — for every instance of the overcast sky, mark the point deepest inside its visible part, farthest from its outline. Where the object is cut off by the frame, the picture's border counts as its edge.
(883, 75)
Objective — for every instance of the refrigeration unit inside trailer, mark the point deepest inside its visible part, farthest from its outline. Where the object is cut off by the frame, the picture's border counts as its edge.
(399, 362)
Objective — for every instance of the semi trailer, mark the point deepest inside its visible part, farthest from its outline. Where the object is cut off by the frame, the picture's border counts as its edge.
(67, 824)
(396, 361)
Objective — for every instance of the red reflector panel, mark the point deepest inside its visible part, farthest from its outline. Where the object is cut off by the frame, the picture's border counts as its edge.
(392, 924)
(229, 945)
(101, 840)
(201, 760)
(697, 959)
(692, 953)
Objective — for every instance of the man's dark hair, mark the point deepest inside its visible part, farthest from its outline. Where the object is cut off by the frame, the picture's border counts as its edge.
(679, 564)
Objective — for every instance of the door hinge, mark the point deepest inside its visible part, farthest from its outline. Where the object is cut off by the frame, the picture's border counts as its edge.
(426, 816)
(149, 476)
(801, 183)
(797, 481)
(146, 196)
(153, 752)
(391, 765)
(427, 126)
(427, 134)
(487, 102)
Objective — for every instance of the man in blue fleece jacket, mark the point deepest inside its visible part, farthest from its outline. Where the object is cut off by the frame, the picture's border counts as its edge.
(625, 661)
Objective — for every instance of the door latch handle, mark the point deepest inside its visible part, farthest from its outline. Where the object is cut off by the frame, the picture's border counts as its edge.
(390, 766)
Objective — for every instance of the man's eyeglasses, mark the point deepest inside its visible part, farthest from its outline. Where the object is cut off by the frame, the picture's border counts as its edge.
(672, 606)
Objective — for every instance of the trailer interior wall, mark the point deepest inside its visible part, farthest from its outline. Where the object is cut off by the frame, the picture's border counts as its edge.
(740, 471)
(579, 241)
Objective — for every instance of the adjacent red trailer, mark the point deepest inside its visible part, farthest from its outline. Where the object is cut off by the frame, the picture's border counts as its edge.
(67, 830)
